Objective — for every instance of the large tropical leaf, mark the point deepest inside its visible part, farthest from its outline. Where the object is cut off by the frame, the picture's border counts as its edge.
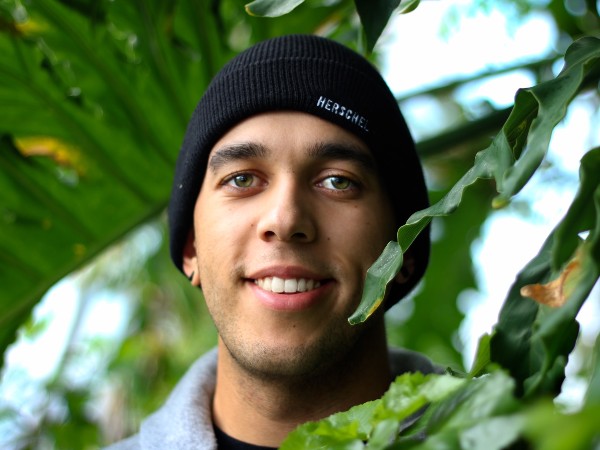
(94, 100)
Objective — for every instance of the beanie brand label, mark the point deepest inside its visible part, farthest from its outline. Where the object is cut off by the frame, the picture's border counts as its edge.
(341, 110)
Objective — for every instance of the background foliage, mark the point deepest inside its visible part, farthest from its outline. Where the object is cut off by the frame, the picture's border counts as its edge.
(94, 99)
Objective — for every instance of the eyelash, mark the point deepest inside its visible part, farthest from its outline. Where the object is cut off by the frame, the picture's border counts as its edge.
(352, 185)
(231, 179)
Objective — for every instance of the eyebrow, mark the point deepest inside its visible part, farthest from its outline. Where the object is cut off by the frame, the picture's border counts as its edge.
(343, 152)
(320, 150)
(236, 152)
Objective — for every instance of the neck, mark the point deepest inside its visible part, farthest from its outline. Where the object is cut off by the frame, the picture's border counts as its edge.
(263, 411)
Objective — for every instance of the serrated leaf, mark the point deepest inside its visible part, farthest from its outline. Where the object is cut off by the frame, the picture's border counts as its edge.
(272, 8)
(496, 433)
(350, 429)
(478, 398)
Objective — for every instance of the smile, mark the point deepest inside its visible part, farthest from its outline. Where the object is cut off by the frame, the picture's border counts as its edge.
(288, 285)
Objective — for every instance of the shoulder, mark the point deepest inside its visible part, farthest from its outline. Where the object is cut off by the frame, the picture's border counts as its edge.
(184, 420)
(403, 360)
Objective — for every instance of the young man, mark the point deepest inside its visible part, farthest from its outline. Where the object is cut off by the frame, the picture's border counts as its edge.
(296, 170)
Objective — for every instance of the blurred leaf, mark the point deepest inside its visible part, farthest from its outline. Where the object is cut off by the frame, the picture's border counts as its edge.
(78, 112)
(580, 217)
(271, 8)
(482, 356)
(407, 6)
(547, 429)
(544, 339)
(592, 395)
(558, 291)
(510, 344)
(538, 108)
(374, 16)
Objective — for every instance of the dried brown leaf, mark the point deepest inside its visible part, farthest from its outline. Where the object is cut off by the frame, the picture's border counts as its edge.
(555, 293)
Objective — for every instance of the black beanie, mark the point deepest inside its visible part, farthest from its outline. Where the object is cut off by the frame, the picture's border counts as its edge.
(316, 76)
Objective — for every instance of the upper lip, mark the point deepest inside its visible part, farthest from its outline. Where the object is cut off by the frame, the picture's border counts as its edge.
(286, 272)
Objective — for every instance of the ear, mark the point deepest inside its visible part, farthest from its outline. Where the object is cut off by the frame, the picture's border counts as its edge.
(190, 260)
(407, 270)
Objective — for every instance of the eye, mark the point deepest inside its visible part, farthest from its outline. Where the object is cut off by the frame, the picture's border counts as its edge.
(337, 183)
(241, 180)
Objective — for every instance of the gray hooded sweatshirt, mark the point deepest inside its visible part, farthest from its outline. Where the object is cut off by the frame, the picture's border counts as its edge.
(184, 422)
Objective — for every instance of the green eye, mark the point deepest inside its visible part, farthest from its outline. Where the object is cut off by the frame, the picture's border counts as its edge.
(337, 183)
(242, 180)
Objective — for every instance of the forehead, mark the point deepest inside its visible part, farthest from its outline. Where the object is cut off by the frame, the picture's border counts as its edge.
(288, 134)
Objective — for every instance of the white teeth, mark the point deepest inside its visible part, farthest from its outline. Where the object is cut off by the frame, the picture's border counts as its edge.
(289, 285)
(277, 285)
(301, 285)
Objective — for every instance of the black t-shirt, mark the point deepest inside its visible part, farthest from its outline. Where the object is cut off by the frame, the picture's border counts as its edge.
(226, 442)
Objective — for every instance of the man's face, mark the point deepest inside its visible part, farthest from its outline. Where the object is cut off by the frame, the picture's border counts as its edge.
(290, 216)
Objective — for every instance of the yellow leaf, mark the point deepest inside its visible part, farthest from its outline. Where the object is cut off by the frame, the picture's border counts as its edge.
(61, 152)
(29, 27)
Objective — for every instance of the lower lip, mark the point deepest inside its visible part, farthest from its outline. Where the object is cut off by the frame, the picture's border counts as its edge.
(289, 302)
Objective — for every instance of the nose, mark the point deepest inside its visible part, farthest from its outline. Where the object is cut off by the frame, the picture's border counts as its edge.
(287, 214)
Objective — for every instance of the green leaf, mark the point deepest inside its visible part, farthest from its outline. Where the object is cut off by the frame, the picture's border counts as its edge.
(535, 113)
(546, 428)
(271, 8)
(374, 421)
(580, 217)
(374, 16)
(90, 127)
(462, 417)
(378, 276)
(390, 261)
(557, 329)
(510, 344)
(407, 6)
(345, 430)
(482, 356)
(592, 395)
(543, 336)
(496, 433)
(478, 398)
(544, 106)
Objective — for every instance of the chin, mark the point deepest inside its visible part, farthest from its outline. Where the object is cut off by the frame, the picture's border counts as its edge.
(298, 360)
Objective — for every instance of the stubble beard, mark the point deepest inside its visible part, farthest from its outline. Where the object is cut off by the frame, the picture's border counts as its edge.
(293, 364)
(289, 364)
